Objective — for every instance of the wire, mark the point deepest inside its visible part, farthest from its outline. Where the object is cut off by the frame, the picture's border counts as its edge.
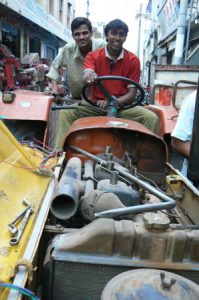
(48, 155)
(53, 154)
(43, 144)
(152, 182)
(22, 290)
(33, 145)
(19, 167)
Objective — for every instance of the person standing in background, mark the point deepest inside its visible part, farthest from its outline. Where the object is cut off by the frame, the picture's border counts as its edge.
(182, 133)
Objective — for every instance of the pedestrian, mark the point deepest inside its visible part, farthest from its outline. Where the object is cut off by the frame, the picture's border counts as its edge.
(72, 56)
(111, 60)
(182, 133)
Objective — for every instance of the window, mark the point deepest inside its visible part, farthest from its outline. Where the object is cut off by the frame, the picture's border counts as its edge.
(34, 46)
(61, 5)
(11, 38)
(69, 5)
(51, 6)
(61, 8)
(50, 53)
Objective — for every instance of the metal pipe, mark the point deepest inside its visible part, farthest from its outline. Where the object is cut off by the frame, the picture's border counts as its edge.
(88, 175)
(168, 202)
(188, 32)
(180, 37)
(139, 16)
(114, 177)
(65, 202)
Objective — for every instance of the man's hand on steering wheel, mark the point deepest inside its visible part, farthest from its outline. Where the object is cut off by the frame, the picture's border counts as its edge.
(89, 77)
(102, 103)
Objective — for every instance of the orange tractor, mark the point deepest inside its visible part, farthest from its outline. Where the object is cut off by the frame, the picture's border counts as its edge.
(120, 221)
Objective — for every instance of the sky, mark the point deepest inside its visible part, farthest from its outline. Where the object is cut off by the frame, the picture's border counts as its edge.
(107, 10)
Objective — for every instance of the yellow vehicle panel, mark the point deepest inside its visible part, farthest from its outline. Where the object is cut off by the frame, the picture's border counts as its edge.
(21, 176)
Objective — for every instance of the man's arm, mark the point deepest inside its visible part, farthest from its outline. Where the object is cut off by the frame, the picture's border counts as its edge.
(54, 74)
(127, 99)
(89, 73)
(89, 76)
(55, 87)
(182, 133)
(182, 147)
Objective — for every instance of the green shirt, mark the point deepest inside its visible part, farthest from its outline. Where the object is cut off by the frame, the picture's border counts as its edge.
(71, 58)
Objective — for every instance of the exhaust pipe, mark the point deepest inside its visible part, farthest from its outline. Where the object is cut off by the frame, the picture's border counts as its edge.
(95, 201)
(65, 201)
(98, 201)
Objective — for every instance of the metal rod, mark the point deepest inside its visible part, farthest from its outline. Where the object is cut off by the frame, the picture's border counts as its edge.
(88, 174)
(188, 32)
(169, 202)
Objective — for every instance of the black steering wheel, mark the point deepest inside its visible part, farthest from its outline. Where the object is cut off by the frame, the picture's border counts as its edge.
(111, 99)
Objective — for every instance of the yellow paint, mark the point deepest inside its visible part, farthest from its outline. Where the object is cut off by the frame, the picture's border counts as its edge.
(19, 178)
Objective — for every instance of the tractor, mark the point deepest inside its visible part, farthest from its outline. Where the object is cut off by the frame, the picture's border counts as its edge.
(109, 217)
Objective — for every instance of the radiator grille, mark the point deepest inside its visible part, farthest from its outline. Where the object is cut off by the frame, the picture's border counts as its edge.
(73, 280)
(81, 281)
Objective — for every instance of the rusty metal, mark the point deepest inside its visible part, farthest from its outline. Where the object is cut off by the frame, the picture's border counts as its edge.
(173, 68)
(148, 151)
(132, 243)
(187, 211)
(156, 220)
(149, 283)
(157, 86)
(176, 87)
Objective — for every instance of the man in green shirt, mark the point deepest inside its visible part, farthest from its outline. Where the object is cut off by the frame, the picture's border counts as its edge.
(72, 56)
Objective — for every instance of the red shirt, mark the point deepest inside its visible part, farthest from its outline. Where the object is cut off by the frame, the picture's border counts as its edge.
(128, 66)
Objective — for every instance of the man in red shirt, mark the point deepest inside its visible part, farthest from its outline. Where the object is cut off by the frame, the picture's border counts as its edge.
(112, 60)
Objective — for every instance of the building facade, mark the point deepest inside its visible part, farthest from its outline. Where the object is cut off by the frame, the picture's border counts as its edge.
(171, 35)
(36, 26)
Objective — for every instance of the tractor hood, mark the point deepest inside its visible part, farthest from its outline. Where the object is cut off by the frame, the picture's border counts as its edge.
(27, 105)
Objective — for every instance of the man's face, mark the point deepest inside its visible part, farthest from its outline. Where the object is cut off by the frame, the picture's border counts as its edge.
(116, 39)
(82, 36)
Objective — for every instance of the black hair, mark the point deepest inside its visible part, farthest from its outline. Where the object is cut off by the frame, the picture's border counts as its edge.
(116, 24)
(77, 22)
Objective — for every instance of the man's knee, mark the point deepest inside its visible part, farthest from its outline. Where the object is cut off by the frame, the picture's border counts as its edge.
(152, 121)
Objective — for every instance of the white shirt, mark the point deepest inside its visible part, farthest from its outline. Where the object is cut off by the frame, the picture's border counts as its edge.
(184, 125)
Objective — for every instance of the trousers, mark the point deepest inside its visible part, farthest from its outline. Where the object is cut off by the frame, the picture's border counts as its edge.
(66, 117)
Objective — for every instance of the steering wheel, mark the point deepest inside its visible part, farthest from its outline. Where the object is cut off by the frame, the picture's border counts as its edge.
(111, 99)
